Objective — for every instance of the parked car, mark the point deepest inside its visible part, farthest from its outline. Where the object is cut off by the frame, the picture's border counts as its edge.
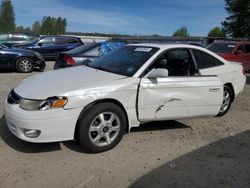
(238, 51)
(22, 60)
(14, 39)
(85, 54)
(97, 103)
(49, 46)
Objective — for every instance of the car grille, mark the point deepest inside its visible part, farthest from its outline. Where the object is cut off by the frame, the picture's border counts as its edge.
(13, 98)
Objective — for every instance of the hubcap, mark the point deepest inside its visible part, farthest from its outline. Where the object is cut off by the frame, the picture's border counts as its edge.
(25, 65)
(226, 102)
(104, 129)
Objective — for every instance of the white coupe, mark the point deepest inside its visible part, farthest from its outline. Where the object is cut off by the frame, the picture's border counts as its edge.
(97, 103)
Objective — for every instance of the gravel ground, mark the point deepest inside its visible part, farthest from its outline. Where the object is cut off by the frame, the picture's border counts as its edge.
(207, 152)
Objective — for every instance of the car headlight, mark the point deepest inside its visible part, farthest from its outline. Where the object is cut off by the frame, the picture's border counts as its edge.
(36, 105)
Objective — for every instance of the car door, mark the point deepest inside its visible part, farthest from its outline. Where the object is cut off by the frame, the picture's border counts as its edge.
(45, 46)
(182, 94)
(5, 57)
(3, 62)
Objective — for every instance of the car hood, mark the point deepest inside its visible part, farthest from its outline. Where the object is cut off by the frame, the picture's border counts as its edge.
(17, 50)
(23, 45)
(64, 82)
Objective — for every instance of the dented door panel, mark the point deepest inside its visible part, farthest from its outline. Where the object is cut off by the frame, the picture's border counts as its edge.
(179, 97)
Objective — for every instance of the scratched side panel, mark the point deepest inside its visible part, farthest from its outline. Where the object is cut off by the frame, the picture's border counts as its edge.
(179, 97)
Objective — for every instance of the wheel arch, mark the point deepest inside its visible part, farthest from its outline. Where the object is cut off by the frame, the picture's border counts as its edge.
(111, 100)
(231, 86)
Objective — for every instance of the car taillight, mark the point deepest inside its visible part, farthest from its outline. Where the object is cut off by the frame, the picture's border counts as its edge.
(69, 60)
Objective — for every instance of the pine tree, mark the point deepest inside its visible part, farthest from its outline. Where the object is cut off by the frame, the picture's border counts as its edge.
(237, 24)
(36, 28)
(7, 17)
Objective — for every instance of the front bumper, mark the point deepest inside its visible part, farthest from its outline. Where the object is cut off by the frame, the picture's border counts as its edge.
(55, 125)
(40, 63)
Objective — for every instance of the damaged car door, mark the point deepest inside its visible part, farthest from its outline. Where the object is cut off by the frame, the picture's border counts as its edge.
(178, 93)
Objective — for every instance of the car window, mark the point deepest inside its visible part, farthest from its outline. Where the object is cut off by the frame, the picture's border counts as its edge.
(65, 40)
(72, 41)
(124, 61)
(3, 37)
(178, 62)
(205, 60)
(83, 48)
(16, 38)
(93, 51)
(247, 47)
(221, 47)
(241, 48)
(47, 40)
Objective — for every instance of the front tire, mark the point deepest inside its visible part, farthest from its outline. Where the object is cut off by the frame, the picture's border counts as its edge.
(227, 101)
(101, 127)
(24, 65)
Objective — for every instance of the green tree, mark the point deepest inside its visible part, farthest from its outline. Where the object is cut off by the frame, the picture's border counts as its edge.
(53, 26)
(237, 24)
(7, 17)
(64, 25)
(24, 30)
(59, 25)
(181, 32)
(216, 32)
(36, 28)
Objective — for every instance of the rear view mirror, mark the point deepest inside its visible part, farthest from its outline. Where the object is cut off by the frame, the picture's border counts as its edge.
(158, 73)
(39, 44)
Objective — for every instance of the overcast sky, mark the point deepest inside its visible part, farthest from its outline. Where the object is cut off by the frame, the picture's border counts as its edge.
(127, 16)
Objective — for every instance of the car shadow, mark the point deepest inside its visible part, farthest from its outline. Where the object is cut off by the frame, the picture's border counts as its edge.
(159, 125)
(22, 146)
(152, 126)
(224, 163)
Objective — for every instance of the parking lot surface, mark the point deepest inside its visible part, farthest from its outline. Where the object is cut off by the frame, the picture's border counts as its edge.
(205, 152)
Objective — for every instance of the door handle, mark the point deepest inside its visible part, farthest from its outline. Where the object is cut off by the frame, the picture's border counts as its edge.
(215, 89)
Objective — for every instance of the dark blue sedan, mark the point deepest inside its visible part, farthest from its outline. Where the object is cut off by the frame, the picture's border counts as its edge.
(49, 46)
(22, 60)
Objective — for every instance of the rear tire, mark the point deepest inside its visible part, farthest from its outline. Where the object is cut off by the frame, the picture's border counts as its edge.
(227, 101)
(101, 127)
(24, 65)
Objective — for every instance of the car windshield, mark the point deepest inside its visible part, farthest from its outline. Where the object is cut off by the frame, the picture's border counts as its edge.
(221, 47)
(35, 40)
(3, 46)
(83, 48)
(124, 61)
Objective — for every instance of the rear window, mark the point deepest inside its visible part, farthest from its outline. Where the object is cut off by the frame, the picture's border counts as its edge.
(221, 47)
(83, 48)
(205, 60)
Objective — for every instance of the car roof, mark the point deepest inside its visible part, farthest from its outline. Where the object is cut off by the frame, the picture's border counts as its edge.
(166, 46)
(59, 36)
(231, 42)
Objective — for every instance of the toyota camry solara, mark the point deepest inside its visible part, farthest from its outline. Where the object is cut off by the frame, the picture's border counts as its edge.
(96, 104)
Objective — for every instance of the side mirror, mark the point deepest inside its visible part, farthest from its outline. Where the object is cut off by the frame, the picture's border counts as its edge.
(238, 52)
(158, 73)
(39, 44)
